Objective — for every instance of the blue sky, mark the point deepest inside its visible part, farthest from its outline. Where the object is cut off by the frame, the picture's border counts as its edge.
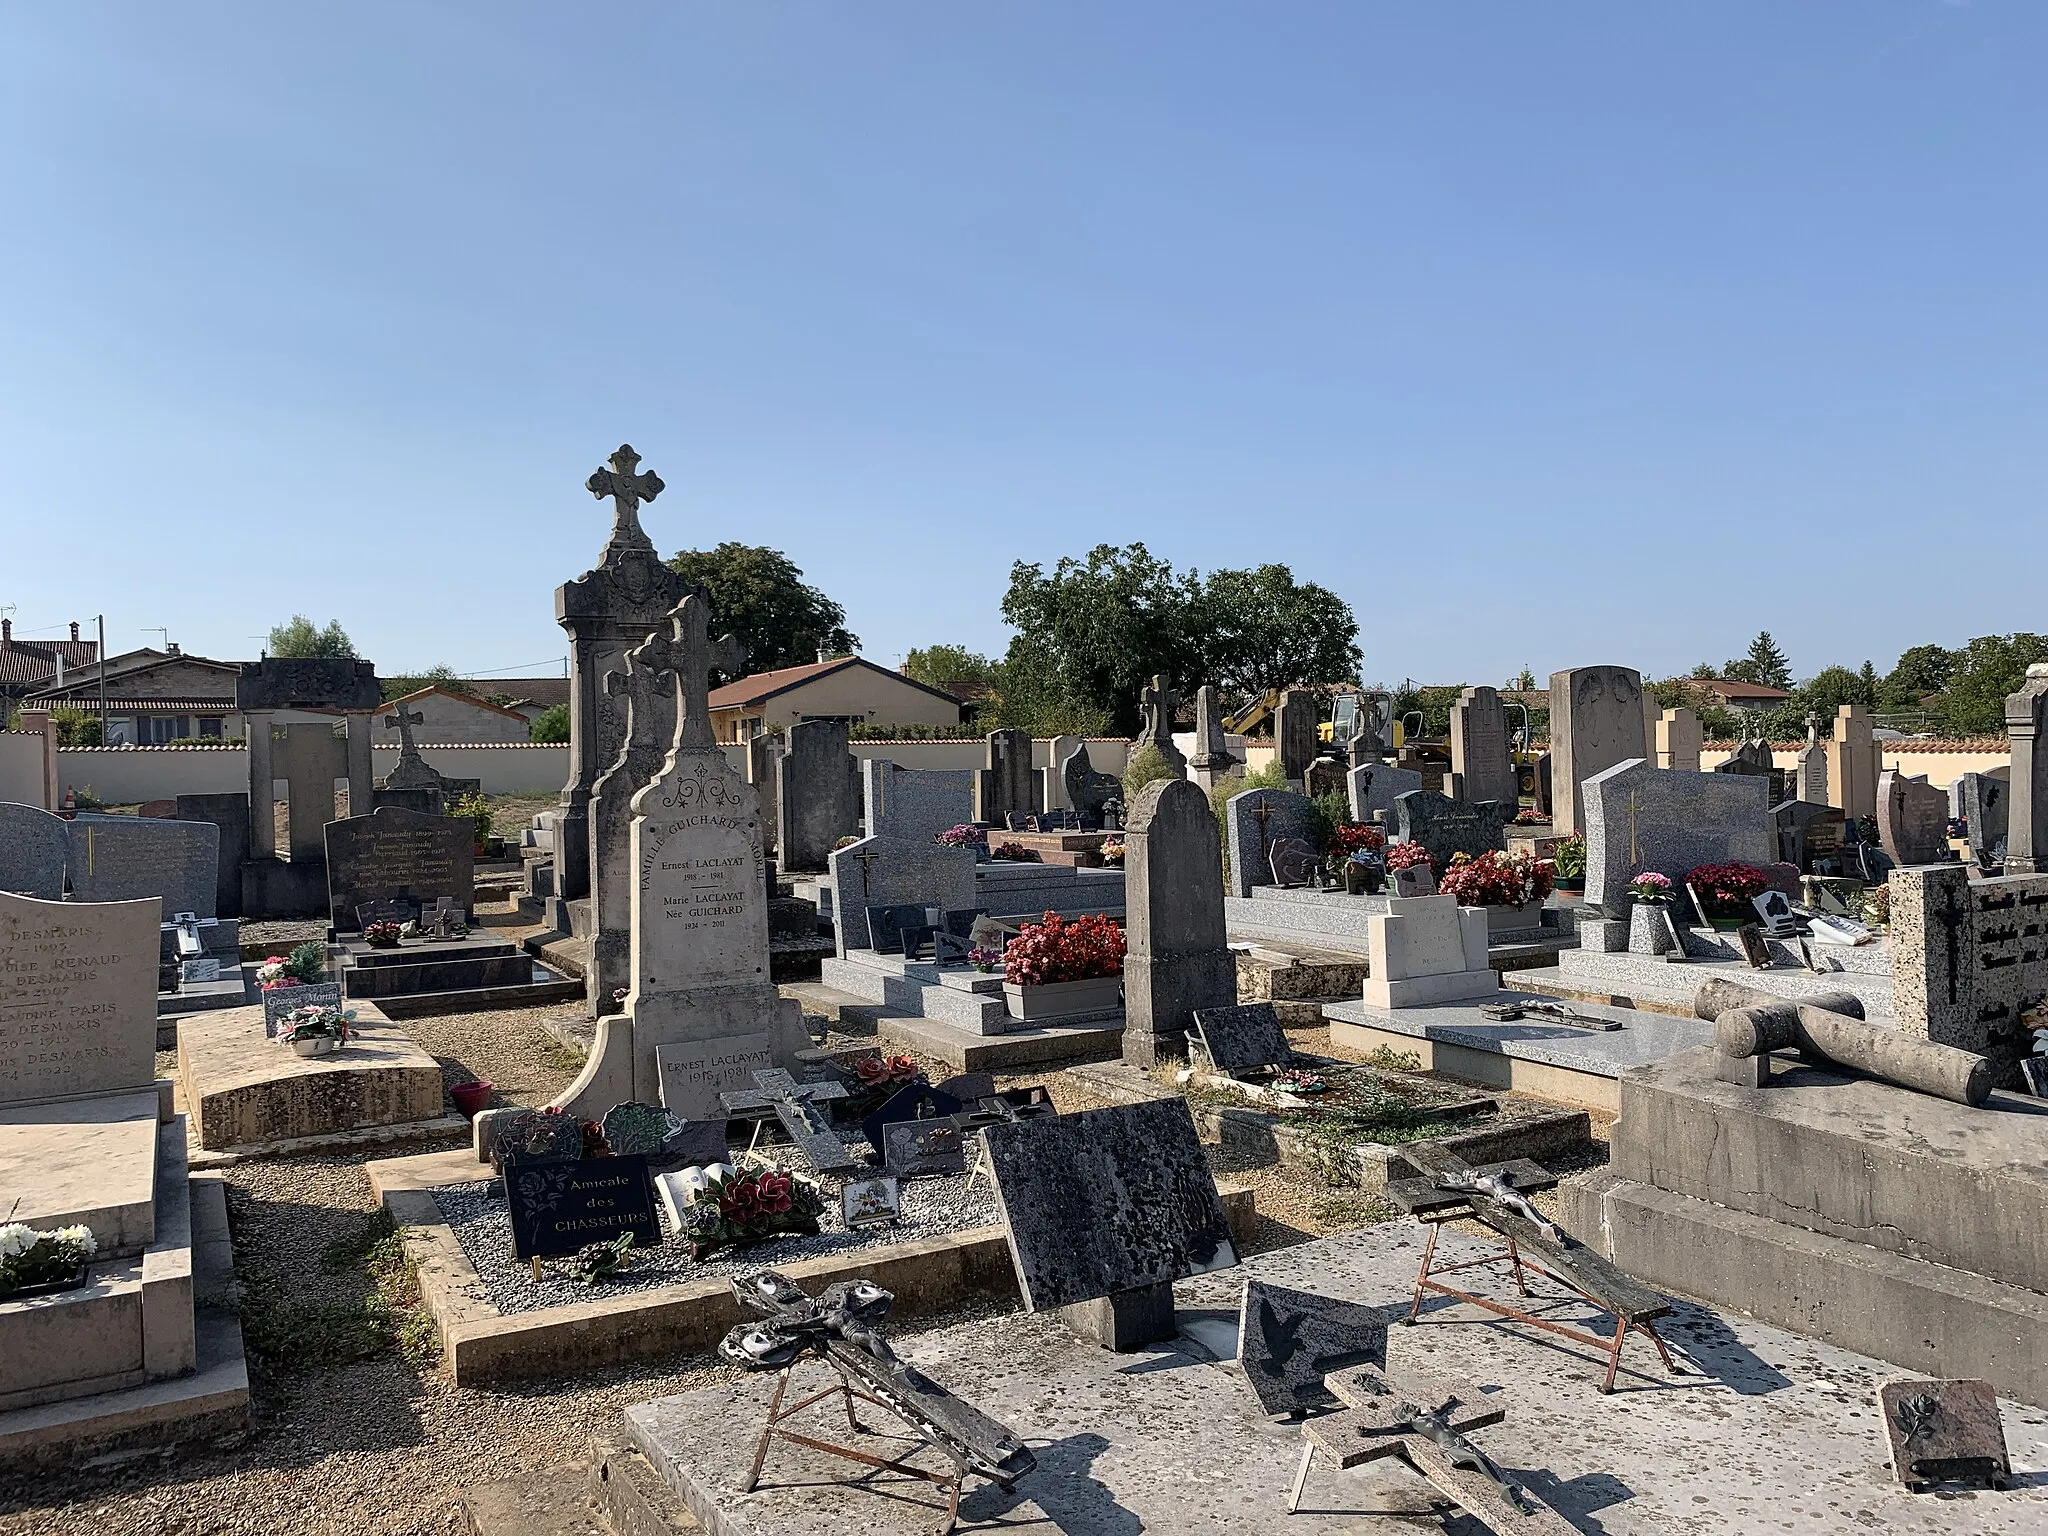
(1544, 334)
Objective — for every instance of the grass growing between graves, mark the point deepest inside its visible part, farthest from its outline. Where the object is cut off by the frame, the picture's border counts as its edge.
(301, 1334)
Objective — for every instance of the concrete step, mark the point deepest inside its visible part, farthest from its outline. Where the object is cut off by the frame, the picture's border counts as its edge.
(973, 1011)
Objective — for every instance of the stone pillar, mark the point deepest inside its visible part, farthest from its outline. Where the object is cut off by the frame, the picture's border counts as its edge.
(1479, 747)
(1294, 732)
(1596, 721)
(1678, 740)
(361, 781)
(1212, 761)
(262, 813)
(1852, 763)
(2026, 825)
(1179, 959)
(817, 795)
(762, 751)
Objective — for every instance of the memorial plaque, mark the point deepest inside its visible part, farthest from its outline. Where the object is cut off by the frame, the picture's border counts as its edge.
(912, 1147)
(1243, 1037)
(1288, 1341)
(871, 1202)
(538, 1135)
(1945, 1432)
(1106, 1200)
(910, 1102)
(1445, 826)
(395, 855)
(279, 1001)
(694, 1073)
(558, 1207)
(206, 968)
(77, 997)
(644, 1130)
(129, 858)
(1293, 861)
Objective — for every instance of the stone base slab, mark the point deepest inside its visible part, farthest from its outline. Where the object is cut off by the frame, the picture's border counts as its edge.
(556, 989)
(1085, 1040)
(1624, 974)
(1929, 1319)
(90, 1160)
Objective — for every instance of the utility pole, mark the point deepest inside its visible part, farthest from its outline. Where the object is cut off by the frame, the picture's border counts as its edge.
(101, 619)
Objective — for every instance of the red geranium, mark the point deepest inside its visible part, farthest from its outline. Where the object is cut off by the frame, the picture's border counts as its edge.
(1726, 889)
(1059, 949)
(1496, 879)
(1352, 837)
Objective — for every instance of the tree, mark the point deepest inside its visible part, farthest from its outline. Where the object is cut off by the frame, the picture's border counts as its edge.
(1920, 673)
(1830, 689)
(1765, 665)
(1867, 675)
(757, 594)
(75, 727)
(299, 639)
(551, 724)
(442, 676)
(1989, 668)
(1524, 682)
(937, 665)
(1260, 629)
(1026, 693)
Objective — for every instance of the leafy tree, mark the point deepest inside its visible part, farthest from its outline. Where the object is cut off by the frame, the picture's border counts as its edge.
(75, 727)
(1920, 673)
(300, 639)
(1829, 690)
(1028, 694)
(441, 676)
(1260, 629)
(758, 595)
(551, 724)
(1524, 681)
(1989, 668)
(937, 665)
(1432, 701)
(1765, 665)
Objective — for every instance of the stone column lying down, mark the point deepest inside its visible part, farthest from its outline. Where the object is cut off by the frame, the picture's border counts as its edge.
(1829, 1028)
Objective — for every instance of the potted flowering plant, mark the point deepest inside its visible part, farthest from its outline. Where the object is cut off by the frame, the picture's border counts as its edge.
(1511, 886)
(1059, 966)
(1408, 855)
(305, 965)
(316, 1031)
(382, 935)
(985, 958)
(1112, 851)
(1725, 891)
(33, 1262)
(969, 836)
(734, 1208)
(1568, 864)
(1650, 886)
(1017, 853)
(1347, 838)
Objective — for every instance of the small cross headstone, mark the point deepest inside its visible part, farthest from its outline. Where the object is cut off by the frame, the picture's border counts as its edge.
(1242, 1038)
(795, 1106)
(685, 648)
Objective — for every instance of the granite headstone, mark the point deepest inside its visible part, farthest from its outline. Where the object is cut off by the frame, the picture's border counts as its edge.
(1178, 958)
(77, 997)
(1289, 1340)
(1258, 819)
(1445, 826)
(127, 858)
(1596, 721)
(34, 848)
(1479, 746)
(399, 855)
(1641, 819)
(1912, 819)
(1374, 787)
(1243, 1037)
(901, 862)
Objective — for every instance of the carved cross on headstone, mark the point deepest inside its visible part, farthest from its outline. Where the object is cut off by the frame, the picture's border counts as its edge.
(402, 721)
(684, 648)
(627, 489)
(1159, 702)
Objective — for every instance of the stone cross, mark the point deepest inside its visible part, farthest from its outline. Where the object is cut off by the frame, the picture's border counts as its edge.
(627, 489)
(684, 648)
(644, 673)
(402, 721)
(1159, 702)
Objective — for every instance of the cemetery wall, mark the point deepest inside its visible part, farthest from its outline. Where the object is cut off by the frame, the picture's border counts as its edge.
(1942, 766)
(21, 768)
(506, 768)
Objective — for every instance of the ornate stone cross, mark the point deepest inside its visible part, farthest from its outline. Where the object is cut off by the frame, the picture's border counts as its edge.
(644, 673)
(1159, 702)
(402, 721)
(684, 648)
(627, 489)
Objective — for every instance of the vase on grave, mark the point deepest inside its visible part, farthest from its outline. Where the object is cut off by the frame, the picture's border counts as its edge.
(1501, 920)
(1045, 1001)
(1649, 928)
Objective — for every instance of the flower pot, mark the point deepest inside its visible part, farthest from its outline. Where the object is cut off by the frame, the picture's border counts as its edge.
(1062, 999)
(471, 1098)
(70, 1282)
(319, 1045)
(1573, 883)
(1512, 919)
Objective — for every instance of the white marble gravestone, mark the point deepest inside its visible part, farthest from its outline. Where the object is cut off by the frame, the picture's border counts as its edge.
(700, 901)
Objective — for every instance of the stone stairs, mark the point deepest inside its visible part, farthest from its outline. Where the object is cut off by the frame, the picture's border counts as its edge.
(968, 1000)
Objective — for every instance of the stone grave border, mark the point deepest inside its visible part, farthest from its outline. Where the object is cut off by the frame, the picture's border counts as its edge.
(480, 1345)
(1544, 1133)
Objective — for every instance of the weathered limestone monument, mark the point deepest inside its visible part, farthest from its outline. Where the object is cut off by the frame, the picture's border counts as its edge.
(1852, 763)
(607, 611)
(700, 899)
(1179, 959)
(1212, 760)
(1159, 701)
(1294, 732)
(1479, 746)
(2026, 827)
(1596, 721)
(1678, 740)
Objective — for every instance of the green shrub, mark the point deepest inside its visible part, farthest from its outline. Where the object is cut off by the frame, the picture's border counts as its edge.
(550, 725)
(1147, 766)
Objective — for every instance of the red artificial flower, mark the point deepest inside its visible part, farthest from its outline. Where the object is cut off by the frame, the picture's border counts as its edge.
(1061, 949)
(1407, 855)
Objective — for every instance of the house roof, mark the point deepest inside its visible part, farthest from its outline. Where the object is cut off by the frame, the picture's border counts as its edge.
(449, 693)
(1734, 690)
(30, 661)
(547, 692)
(762, 686)
(134, 664)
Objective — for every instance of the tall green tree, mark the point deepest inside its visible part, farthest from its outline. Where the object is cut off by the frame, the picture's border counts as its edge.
(1990, 667)
(1829, 689)
(300, 639)
(1765, 665)
(1261, 629)
(759, 595)
(1920, 673)
(937, 665)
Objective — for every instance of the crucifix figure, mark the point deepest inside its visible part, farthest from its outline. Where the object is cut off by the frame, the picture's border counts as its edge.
(684, 649)
(1159, 702)
(402, 721)
(627, 489)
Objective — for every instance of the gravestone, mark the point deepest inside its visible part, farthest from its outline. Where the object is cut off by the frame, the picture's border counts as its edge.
(644, 687)
(1178, 957)
(394, 855)
(914, 1147)
(1325, 776)
(1006, 786)
(795, 1107)
(1544, 805)
(1678, 740)
(1852, 763)
(2026, 835)
(608, 610)
(1294, 732)
(1158, 703)
(413, 773)
(762, 752)
(1596, 721)
(1289, 1340)
(34, 848)
(1427, 949)
(1445, 826)
(1375, 787)
(557, 1207)
(694, 1073)
(1052, 784)
(127, 858)
(1983, 801)
(900, 861)
(310, 759)
(1912, 819)
(77, 997)
(1810, 773)
(1293, 862)
(1088, 792)
(1809, 836)
(1108, 1204)
(1968, 964)
(918, 1100)
(1479, 746)
(700, 905)
(1368, 740)
(817, 794)
(1641, 819)
(1243, 1037)
(229, 815)
(1212, 761)
(279, 1001)
(1257, 819)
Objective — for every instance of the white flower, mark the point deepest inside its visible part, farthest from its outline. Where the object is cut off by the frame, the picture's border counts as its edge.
(15, 1240)
(80, 1235)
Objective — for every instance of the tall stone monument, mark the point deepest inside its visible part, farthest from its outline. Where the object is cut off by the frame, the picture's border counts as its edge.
(1596, 721)
(1212, 761)
(1179, 959)
(1159, 702)
(901, 861)
(1678, 740)
(645, 687)
(1294, 732)
(700, 900)
(292, 881)
(1852, 763)
(1368, 743)
(2026, 825)
(817, 795)
(1810, 767)
(607, 611)
(1007, 783)
(1052, 783)
(1479, 745)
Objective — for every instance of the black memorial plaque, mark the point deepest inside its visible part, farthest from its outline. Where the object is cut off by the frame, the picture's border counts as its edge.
(1288, 1341)
(1243, 1037)
(558, 1207)
(913, 1147)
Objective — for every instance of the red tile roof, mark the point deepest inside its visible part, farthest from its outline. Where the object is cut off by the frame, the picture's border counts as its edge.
(765, 685)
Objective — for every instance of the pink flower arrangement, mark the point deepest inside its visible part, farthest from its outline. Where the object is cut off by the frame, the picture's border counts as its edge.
(1408, 855)
(1496, 879)
(1650, 886)
(1060, 949)
(876, 1071)
(965, 835)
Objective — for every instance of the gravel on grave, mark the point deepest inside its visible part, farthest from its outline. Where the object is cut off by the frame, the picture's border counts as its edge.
(476, 1213)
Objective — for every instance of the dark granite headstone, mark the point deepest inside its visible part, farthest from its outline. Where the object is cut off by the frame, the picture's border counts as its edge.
(399, 855)
(1445, 826)
(1106, 1201)
(1087, 790)
(558, 1206)
(888, 926)
(230, 813)
(1985, 804)
(1809, 835)
(1243, 1037)
(1912, 819)
(910, 1102)
(1293, 862)
(911, 1147)
(1288, 1341)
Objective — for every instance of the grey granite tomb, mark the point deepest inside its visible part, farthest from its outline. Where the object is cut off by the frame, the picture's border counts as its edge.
(1983, 800)
(901, 860)
(1479, 746)
(1007, 783)
(1374, 787)
(398, 855)
(817, 794)
(1445, 826)
(1257, 819)
(1179, 960)
(126, 858)
(1912, 819)
(1294, 732)
(1088, 791)
(1639, 818)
